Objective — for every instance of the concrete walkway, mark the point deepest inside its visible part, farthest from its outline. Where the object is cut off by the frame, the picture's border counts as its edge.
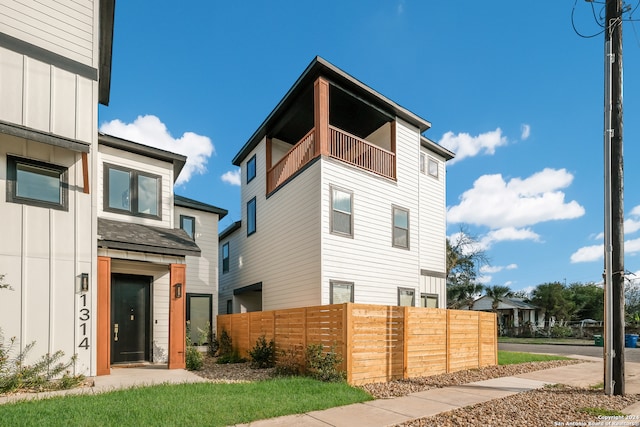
(381, 412)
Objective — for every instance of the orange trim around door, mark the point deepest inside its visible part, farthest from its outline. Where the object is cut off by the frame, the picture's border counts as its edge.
(177, 318)
(103, 342)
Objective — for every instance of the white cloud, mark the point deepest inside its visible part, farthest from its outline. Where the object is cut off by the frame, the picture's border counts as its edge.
(525, 132)
(492, 269)
(508, 234)
(497, 204)
(511, 267)
(400, 7)
(465, 145)
(149, 130)
(596, 252)
(232, 177)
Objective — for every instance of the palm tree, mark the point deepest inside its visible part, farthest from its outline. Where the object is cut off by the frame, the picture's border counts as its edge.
(496, 293)
(461, 295)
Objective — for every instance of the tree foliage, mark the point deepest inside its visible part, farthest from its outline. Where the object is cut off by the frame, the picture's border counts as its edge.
(465, 257)
(496, 293)
(555, 299)
(588, 299)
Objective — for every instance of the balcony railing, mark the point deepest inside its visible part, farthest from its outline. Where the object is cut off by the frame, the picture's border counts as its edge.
(360, 153)
(299, 155)
(342, 146)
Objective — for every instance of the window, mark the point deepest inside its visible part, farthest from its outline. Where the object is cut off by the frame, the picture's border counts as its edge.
(229, 306)
(400, 228)
(341, 292)
(251, 216)
(429, 300)
(133, 192)
(406, 297)
(199, 317)
(423, 163)
(341, 212)
(36, 183)
(251, 169)
(225, 258)
(188, 224)
(433, 167)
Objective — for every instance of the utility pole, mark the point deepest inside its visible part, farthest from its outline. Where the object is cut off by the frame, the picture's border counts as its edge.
(614, 207)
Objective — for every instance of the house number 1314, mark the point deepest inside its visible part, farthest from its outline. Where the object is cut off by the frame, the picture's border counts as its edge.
(84, 316)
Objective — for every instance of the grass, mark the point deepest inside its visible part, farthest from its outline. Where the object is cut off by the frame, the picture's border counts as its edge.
(603, 412)
(185, 404)
(542, 340)
(513, 357)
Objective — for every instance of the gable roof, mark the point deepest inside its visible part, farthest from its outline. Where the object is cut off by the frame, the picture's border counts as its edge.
(321, 67)
(128, 236)
(200, 206)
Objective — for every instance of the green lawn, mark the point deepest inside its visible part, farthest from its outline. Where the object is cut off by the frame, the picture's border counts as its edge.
(513, 357)
(571, 341)
(184, 404)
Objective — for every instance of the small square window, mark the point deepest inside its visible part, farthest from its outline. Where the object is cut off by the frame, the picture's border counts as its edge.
(429, 300)
(341, 212)
(131, 192)
(433, 167)
(251, 216)
(225, 258)
(341, 292)
(188, 224)
(406, 297)
(36, 183)
(251, 168)
(400, 228)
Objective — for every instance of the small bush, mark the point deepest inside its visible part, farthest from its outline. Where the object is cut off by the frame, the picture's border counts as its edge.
(263, 353)
(212, 347)
(288, 363)
(233, 357)
(560, 331)
(225, 345)
(324, 366)
(194, 359)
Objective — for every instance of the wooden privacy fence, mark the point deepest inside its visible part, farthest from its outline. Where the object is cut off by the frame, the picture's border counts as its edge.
(377, 343)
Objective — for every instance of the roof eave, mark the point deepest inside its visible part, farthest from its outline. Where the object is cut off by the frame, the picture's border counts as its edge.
(438, 149)
(107, 14)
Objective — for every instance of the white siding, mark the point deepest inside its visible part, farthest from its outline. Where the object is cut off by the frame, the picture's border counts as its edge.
(284, 253)
(65, 27)
(43, 253)
(139, 163)
(368, 259)
(433, 216)
(202, 271)
(46, 98)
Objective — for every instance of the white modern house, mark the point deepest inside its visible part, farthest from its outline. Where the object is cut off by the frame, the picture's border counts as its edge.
(343, 199)
(93, 239)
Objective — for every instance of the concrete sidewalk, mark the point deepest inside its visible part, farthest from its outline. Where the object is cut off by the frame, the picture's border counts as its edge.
(384, 412)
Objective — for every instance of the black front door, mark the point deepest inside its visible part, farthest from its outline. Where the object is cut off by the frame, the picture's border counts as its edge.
(130, 318)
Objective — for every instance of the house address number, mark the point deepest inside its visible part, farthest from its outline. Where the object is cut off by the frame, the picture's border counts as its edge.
(84, 316)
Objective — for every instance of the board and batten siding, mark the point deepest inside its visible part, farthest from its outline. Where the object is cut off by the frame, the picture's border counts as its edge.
(284, 252)
(65, 27)
(42, 255)
(369, 259)
(202, 271)
(141, 163)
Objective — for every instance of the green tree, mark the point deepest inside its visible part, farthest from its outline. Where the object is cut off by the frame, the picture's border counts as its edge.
(463, 294)
(465, 257)
(588, 299)
(555, 299)
(496, 293)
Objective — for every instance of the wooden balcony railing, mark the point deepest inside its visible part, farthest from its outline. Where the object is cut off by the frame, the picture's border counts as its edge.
(360, 153)
(342, 146)
(299, 155)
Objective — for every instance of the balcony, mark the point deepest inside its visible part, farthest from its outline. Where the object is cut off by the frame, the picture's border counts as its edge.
(343, 146)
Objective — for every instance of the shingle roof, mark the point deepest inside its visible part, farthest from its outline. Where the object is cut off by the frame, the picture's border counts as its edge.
(145, 238)
(200, 206)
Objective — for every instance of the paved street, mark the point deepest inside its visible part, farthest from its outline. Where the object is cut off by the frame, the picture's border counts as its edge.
(630, 355)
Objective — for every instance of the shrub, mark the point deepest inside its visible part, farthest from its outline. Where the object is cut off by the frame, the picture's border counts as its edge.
(324, 366)
(288, 363)
(263, 353)
(194, 359)
(560, 331)
(212, 347)
(226, 352)
(47, 373)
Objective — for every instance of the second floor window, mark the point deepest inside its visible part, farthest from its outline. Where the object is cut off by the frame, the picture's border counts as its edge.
(132, 192)
(341, 212)
(225, 258)
(36, 183)
(400, 228)
(251, 216)
(251, 168)
(188, 224)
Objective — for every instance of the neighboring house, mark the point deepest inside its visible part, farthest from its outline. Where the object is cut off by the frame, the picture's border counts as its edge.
(342, 200)
(155, 251)
(55, 66)
(513, 313)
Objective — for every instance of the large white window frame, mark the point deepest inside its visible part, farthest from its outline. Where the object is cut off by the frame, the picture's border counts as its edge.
(401, 227)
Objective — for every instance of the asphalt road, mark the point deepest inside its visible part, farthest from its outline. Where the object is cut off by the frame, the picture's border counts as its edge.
(630, 354)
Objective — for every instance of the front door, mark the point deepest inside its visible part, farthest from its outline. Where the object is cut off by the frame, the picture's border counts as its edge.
(130, 318)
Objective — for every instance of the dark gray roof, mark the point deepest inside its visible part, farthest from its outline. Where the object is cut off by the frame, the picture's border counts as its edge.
(107, 12)
(200, 206)
(321, 67)
(229, 230)
(20, 131)
(178, 160)
(145, 238)
(438, 149)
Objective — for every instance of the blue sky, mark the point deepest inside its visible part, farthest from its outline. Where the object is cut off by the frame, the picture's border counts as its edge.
(509, 86)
